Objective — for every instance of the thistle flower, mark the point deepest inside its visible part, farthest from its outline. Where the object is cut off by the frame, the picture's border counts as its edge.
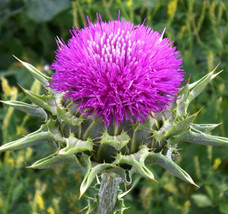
(118, 71)
(115, 71)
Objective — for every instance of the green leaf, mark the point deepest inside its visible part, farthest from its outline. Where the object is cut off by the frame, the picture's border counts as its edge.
(47, 133)
(200, 138)
(38, 100)
(29, 140)
(92, 172)
(201, 200)
(204, 127)
(141, 135)
(53, 160)
(52, 127)
(74, 145)
(197, 87)
(172, 128)
(36, 87)
(67, 117)
(159, 135)
(180, 127)
(65, 114)
(136, 160)
(118, 142)
(36, 73)
(169, 165)
(27, 108)
(182, 96)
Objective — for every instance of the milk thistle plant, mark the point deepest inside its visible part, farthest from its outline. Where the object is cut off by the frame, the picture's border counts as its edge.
(115, 105)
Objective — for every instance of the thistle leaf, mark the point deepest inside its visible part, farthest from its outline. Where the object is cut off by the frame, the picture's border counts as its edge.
(67, 117)
(47, 132)
(53, 160)
(136, 181)
(180, 127)
(136, 160)
(204, 127)
(74, 145)
(169, 165)
(38, 100)
(52, 127)
(27, 108)
(197, 87)
(36, 73)
(201, 138)
(172, 128)
(159, 135)
(141, 132)
(29, 140)
(118, 142)
(182, 96)
(91, 174)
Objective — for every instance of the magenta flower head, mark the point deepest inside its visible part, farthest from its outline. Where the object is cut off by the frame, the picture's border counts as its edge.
(118, 71)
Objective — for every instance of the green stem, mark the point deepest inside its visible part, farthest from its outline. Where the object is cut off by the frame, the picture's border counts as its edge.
(134, 142)
(100, 152)
(116, 129)
(108, 193)
(87, 132)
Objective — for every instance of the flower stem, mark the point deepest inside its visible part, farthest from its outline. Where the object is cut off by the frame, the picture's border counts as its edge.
(108, 193)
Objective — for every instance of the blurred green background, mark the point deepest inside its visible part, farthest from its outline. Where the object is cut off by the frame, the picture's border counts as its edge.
(28, 30)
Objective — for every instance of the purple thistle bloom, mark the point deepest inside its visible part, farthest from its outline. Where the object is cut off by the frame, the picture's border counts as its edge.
(118, 71)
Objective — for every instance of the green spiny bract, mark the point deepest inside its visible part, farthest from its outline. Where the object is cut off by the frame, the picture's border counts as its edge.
(124, 150)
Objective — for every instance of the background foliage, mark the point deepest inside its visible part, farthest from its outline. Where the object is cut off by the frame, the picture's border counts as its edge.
(28, 29)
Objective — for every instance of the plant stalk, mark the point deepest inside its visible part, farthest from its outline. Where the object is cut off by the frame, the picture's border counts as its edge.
(108, 193)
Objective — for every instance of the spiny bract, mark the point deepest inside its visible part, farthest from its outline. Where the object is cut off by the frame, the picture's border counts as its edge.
(125, 147)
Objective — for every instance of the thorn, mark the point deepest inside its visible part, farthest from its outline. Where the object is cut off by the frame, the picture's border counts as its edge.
(161, 150)
(83, 209)
(125, 193)
(216, 67)
(29, 167)
(215, 75)
(155, 180)
(189, 79)
(80, 196)
(16, 58)
(163, 31)
(217, 124)
(56, 105)
(161, 35)
(22, 62)
(58, 42)
(198, 111)
(195, 185)
(24, 90)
